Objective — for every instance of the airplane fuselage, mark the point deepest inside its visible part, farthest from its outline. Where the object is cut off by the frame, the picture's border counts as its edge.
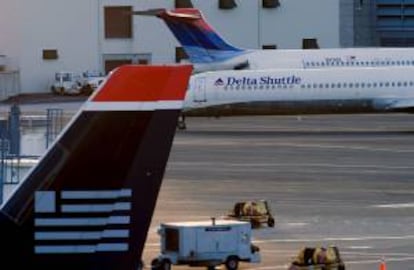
(313, 58)
(300, 91)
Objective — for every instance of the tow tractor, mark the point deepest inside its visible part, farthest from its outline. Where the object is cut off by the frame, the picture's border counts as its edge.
(257, 212)
(207, 244)
(312, 258)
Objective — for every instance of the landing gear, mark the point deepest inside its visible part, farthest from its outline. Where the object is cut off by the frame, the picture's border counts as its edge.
(181, 122)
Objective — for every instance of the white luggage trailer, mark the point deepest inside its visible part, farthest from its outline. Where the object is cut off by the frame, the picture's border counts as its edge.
(206, 244)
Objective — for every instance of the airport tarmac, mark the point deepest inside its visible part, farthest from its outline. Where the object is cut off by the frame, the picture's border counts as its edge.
(344, 180)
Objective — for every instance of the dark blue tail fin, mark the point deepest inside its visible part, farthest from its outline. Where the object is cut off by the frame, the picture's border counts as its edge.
(199, 40)
(88, 203)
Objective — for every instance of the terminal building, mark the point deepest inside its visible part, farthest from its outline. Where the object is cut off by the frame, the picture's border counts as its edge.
(39, 38)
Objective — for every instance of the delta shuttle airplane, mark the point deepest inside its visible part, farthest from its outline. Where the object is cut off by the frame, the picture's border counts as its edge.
(300, 91)
(88, 203)
(207, 50)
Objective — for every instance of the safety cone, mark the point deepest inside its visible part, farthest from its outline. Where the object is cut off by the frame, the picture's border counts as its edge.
(383, 265)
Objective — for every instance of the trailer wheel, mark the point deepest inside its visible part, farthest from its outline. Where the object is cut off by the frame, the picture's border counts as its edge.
(232, 263)
(155, 264)
(271, 222)
(165, 265)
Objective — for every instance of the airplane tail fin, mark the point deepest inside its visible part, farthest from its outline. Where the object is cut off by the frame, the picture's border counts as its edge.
(199, 40)
(88, 203)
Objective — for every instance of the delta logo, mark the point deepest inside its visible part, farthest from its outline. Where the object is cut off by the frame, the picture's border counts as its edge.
(219, 82)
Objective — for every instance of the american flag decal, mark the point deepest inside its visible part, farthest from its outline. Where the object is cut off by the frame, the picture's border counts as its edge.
(69, 222)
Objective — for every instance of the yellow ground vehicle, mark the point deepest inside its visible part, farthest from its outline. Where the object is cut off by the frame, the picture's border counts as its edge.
(257, 212)
(318, 258)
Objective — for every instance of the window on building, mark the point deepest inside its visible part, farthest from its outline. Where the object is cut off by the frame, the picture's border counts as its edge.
(180, 54)
(269, 47)
(270, 3)
(118, 21)
(50, 54)
(227, 4)
(310, 43)
(183, 4)
(112, 64)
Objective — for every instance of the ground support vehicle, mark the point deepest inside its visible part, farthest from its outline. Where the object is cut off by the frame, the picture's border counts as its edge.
(257, 212)
(318, 258)
(207, 244)
(67, 83)
(91, 81)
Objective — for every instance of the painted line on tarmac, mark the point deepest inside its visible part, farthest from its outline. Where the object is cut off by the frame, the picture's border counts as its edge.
(395, 205)
(349, 238)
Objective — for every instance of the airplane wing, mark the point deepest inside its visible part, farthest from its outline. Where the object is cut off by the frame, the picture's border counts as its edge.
(88, 203)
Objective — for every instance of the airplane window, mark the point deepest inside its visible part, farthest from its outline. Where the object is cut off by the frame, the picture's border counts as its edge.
(405, 84)
(407, 62)
(392, 63)
(344, 85)
(392, 84)
(399, 84)
(315, 85)
(372, 63)
(412, 62)
(302, 86)
(332, 85)
(362, 85)
(374, 84)
(357, 63)
(351, 85)
(387, 84)
(411, 83)
(367, 63)
(326, 85)
(398, 62)
(309, 86)
(381, 84)
(320, 86)
(356, 85)
(402, 63)
(338, 85)
(369, 85)
(322, 64)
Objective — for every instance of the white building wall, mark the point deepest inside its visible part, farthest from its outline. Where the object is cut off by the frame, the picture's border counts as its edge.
(76, 29)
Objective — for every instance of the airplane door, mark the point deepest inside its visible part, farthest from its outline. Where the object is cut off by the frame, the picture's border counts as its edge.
(200, 90)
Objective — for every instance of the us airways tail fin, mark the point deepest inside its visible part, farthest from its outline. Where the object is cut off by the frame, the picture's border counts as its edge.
(199, 40)
(88, 203)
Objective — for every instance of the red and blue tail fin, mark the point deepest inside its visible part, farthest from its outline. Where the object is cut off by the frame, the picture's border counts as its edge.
(199, 40)
(88, 203)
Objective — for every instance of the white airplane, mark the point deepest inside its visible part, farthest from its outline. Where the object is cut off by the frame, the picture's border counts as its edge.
(299, 91)
(88, 203)
(207, 50)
